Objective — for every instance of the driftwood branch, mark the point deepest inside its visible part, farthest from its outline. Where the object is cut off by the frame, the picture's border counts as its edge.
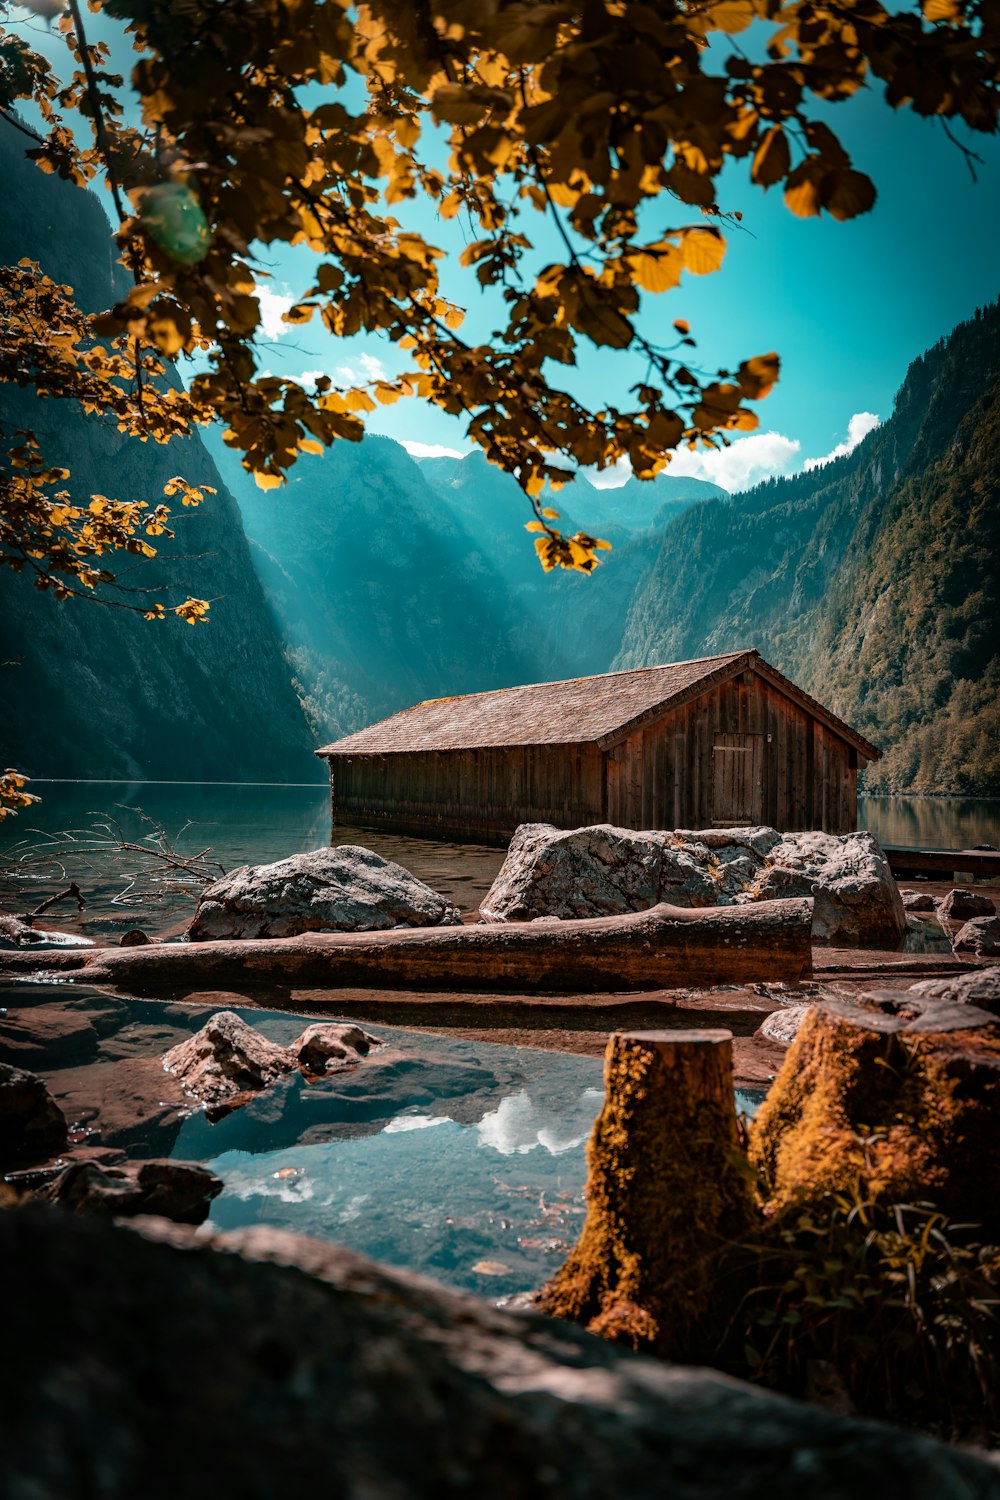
(647, 950)
(71, 890)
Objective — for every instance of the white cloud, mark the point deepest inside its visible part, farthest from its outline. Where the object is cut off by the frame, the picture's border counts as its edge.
(429, 450)
(610, 479)
(744, 463)
(860, 425)
(272, 305)
(308, 378)
(365, 367)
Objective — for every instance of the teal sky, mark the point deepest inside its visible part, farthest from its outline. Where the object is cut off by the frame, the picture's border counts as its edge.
(847, 306)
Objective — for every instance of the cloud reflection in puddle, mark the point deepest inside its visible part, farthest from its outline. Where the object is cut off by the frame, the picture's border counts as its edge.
(520, 1125)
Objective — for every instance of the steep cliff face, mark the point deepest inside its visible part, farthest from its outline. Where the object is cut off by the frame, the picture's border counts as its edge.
(94, 691)
(873, 582)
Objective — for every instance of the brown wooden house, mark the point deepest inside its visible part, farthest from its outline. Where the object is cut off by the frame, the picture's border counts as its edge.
(722, 741)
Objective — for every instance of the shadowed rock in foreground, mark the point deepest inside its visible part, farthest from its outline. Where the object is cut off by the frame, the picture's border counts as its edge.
(292, 1365)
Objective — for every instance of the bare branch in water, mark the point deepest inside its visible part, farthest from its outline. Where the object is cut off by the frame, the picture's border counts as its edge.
(148, 871)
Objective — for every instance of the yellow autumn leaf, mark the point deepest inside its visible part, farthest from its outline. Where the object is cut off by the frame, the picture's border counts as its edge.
(703, 250)
(731, 16)
(656, 268)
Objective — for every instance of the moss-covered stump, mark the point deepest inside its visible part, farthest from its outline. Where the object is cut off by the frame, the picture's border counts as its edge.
(889, 1098)
(667, 1193)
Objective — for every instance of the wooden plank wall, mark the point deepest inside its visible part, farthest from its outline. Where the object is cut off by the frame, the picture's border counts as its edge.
(480, 795)
(663, 775)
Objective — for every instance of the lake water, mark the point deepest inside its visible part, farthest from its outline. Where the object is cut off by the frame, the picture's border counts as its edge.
(68, 837)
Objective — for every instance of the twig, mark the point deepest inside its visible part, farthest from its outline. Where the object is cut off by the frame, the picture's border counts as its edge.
(71, 890)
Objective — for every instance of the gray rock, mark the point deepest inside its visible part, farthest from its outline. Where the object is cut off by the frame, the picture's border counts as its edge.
(981, 988)
(980, 935)
(601, 871)
(348, 889)
(607, 871)
(278, 1363)
(177, 1190)
(962, 903)
(783, 1025)
(32, 1126)
(857, 901)
(327, 1046)
(918, 901)
(227, 1060)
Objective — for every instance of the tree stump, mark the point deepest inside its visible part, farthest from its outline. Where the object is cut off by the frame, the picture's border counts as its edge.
(891, 1097)
(667, 1193)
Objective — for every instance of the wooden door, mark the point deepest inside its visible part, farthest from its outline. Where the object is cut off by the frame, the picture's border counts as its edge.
(738, 782)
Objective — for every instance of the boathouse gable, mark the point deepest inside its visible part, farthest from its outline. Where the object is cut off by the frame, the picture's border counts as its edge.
(724, 741)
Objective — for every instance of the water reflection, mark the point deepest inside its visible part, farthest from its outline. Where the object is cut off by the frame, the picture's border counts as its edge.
(931, 822)
(461, 1160)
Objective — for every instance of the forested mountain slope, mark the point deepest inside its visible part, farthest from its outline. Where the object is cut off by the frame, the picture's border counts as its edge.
(396, 580)
(873, 582)
(94, 691)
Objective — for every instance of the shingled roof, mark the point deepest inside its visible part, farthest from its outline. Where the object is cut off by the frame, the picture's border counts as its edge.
(581, 710)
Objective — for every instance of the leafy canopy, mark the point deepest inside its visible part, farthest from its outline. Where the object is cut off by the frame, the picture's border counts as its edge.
(313, 123)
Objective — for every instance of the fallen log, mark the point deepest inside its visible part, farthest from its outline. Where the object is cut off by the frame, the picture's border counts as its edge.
(663, 946)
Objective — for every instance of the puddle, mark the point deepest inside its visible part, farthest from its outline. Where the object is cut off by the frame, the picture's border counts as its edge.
(464, 1160)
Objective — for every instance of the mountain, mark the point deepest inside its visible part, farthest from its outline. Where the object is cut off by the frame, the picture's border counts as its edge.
(91, 690)
(873, 582)
(396, 580)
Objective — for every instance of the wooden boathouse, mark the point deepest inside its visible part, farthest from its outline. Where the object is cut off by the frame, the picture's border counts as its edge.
(724, 741)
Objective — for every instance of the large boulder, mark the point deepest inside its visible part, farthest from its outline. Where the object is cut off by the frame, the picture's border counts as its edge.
(32, 1126)
(348, 889)
(594, 872)
(264, 1364)
(605, 871)
(857, 901)
(227, 1061)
